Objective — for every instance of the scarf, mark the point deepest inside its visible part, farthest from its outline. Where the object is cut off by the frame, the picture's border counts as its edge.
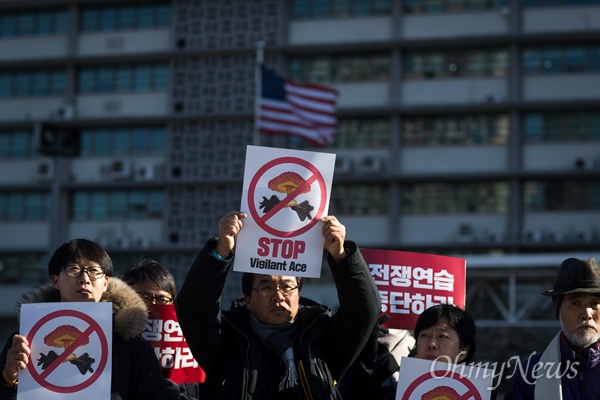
(279, 339)
(546, 388)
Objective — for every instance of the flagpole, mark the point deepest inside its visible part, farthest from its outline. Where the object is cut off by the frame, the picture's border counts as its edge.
(260, 45)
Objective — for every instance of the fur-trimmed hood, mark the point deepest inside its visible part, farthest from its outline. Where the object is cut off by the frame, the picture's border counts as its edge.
(129, 310)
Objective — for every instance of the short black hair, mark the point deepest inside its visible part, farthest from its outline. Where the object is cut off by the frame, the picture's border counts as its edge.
(459, 320)
(148, 270)
(79, 251)
(248, 278)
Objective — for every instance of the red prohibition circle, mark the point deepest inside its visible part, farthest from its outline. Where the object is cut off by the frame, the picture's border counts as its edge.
(252, 189)
(103, 360)
(442, 374)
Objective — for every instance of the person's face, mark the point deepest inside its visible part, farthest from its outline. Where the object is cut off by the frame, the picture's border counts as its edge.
(276, 307)
(152, 294)
(80, 288)
(579, 316)
(440, 340)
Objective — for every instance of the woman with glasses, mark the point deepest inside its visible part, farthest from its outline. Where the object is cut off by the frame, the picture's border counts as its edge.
(82, 271)
(274, 344)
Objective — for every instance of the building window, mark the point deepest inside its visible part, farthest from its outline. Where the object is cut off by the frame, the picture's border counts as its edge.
(360, 199)
(561, 59)
(115, 18)
(24, 206)
(450, 198)
(101, 205)
(30, 269)
(450, 63)
(16, 145)
(357, 133)
(39, 83)
(39, 23)
(124, 141)
(125, 78)
(321, 9)
(562, 195)
(554, 3)
(341, 68)
(583, 126)
(460, 130)
(441, 6)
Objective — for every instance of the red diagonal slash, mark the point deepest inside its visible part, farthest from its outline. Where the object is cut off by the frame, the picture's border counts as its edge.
(288, 198)
(66, 353)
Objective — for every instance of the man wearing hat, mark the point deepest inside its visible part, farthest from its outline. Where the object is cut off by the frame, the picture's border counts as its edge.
(569, 368)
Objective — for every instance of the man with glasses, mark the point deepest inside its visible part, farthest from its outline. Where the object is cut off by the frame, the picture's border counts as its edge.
(156, 285)
(82, 271)
(275, 344)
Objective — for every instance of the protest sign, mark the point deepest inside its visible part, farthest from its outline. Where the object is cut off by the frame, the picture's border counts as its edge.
(285, 194)
(71, 351)
(164, 335)
(409, 283)
(432, 380)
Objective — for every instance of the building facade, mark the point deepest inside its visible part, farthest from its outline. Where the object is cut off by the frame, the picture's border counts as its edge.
(465, 127)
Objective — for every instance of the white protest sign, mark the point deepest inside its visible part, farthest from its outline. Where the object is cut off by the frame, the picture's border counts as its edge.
(428, 380)
(71, 351)
(285, 194)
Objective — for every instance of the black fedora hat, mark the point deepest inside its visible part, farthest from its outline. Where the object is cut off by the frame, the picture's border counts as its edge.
(576, 276)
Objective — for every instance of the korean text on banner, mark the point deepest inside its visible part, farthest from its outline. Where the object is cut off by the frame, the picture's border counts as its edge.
(409, 283)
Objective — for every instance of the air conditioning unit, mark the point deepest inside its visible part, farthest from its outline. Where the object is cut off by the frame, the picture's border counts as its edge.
(553, 235)
(142, 243)
(370, 164)
(117, 170)
(144, 172)
(343, 165)
(533, 235)
(465, 233)
(65, 112)
(493, 98)
(581, 163)
(582, 236)
(121, 242)
(44, 171)
(491, 236)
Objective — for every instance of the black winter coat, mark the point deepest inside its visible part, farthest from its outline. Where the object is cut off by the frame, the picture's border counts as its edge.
(238, 365)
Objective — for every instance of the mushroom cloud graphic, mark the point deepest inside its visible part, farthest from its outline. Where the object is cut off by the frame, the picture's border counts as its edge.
(63, 337)
(287, 183)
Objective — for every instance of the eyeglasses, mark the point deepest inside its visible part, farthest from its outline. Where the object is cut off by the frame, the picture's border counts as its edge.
(75, 271)
(152, 299)
(268, 290)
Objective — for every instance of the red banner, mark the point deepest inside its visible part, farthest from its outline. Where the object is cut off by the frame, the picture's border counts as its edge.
(409, 283)
(164, 334)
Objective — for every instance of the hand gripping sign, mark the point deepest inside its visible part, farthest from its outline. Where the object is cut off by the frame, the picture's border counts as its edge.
(71, 354)
(286, 193)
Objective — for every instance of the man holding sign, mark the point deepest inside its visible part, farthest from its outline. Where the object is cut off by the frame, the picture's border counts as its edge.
(276, 345)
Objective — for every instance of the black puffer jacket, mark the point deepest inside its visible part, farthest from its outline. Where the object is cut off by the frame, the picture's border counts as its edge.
(136, 373)
(237, 364)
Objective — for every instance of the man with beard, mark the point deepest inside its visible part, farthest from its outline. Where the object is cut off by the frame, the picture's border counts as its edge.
(569, 368)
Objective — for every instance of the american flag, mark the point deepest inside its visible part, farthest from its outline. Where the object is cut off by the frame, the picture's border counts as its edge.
(290, 108)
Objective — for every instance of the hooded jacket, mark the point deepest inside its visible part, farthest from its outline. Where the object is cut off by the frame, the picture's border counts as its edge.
(136, 373)
(580, 374)
(237, 364)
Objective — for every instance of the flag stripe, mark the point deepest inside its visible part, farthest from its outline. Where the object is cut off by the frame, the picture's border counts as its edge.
(289, 108)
